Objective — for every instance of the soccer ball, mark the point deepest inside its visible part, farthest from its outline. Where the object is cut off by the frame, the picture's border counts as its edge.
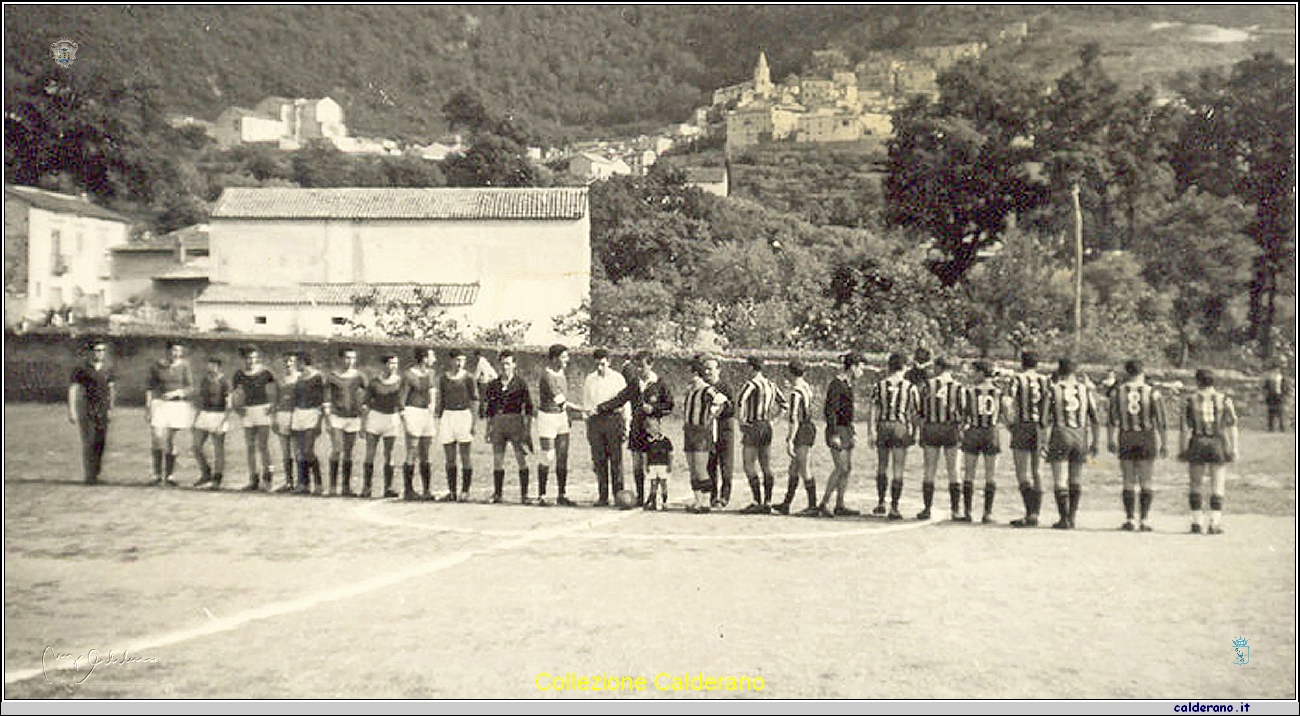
(625, 499)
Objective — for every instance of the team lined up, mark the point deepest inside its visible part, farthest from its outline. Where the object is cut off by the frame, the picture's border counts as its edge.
(1055, 417)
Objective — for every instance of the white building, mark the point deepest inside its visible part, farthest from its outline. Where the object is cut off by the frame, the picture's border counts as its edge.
(286, 123)
(68, 244)
(276, 252)
(593, 167)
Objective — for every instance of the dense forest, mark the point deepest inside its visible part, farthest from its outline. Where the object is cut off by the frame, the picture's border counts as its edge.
(566, 70)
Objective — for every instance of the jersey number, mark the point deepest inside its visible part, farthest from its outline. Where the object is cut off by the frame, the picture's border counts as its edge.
(986, 405)
(1134, 403)
(1207, 412)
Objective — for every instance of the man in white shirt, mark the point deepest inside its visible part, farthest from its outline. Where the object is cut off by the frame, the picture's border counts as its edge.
(605, 429)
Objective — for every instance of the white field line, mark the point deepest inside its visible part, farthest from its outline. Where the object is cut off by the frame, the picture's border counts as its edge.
(143, 645)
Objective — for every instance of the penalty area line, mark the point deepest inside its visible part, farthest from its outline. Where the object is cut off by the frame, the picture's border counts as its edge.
(145, 644)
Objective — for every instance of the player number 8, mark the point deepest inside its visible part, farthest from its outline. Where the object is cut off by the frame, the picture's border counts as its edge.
(1134, 403)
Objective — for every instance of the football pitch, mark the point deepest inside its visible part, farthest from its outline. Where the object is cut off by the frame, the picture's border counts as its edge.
(238, 595)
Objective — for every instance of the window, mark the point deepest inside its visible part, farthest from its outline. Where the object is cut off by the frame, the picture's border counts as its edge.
(339, 321)
(259, 320)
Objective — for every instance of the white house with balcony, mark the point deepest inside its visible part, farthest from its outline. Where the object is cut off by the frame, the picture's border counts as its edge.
(68, 242)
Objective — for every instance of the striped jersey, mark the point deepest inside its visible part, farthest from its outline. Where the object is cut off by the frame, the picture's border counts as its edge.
(1136, 407)
(800, 402)
(699, 404)
(1208, 412)
(895, 400)
(1029, 396)
(981, 405)
(1071, 404)
(941, 400)
(759, 400)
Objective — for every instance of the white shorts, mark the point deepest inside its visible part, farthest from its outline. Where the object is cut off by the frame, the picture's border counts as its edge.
(171, 414)
(657, 472)
(305, 419)
(211, 421)
(456, 426)
(419, 422)
(549, 425)
(347, 425)
(255, 416)
(283, 422)
(382, 424)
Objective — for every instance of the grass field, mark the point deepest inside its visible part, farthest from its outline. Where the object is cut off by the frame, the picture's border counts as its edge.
(240, 595)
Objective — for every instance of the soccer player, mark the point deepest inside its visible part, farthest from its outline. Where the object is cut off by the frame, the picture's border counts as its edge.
(799, 440)
(1208, 439)
(649, 400)
(346, 386)
(510, 421)
(893, 412)
(553, 425)
(704, 403)
(1029, 391)
(167, 409)
(383, 401)
(759, 401)
(722, 460)
(308, 403)
(605, 429)
(921, 369)
(1275, 398)
(838, 411)
(417, 422)
(456, 407)
(1072, 416)
(1137, 410)
(940, 432)
(213, 403)
(91, 395)
(983, 409)
(286, 397)
(257, 388)
(659, 464)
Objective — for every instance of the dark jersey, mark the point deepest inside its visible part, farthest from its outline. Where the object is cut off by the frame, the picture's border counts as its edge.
(416, 387)
(309, 391)
(456, 392)
(659, 452)
(165, 376)
(838, 408)
(384, 397)
(504, 398)
(345, 393)
(254, 385)
(728, 408)
(96, 388)
(213, 392)
(288, 393)
(552, 384)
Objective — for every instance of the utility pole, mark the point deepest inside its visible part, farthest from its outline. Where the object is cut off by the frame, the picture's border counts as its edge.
(1078, 266)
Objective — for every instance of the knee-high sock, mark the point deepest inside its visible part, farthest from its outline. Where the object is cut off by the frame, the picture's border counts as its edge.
(498, 482)
(466, 477)
(967, 495)
(791, 484)
(451, 478)
(1063, 504)
(288, 471)
(895, 492)
(169, 464)
(157, 462)
(638, 477)
(954, 494)
(810, 486)
(1027, 494)
(426, 478)
(1075, 493)
(543, 472)
(334, 473)
(927, 495)
(1036, 502)
(1127, 497)
(523, 483)
(990, 490)
(769, 484)
(408, 479)
(388, 479)
(755, 488)
(304, 475)
(1146, 497)
(368, 478)
(882, 486)
(561, 480)
(347, 477)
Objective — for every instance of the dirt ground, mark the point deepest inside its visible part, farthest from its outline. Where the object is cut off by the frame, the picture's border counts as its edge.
(238, 595)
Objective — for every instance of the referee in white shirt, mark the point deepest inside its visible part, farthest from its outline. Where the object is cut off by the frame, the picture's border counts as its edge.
(605, 430)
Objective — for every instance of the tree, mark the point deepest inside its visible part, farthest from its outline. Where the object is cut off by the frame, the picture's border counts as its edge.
(1240, 139)
(491, 161)
(421, 319)
(321, 164)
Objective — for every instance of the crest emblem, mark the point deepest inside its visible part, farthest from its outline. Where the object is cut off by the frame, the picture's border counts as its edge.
(1242, 650)
(64, 51)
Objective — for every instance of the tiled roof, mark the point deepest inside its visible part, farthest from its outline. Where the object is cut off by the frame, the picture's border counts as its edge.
(200, 268)
(339, 294)
(372, 203)
(62, 203)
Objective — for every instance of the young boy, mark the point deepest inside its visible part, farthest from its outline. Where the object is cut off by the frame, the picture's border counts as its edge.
(659, 464)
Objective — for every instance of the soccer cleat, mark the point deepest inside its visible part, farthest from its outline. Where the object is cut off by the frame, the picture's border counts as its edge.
(826, 513)
(923, 515)
(754, 509)
(781, 509)
(880, 510)
(704, 510)
(1144, 527)
(496, 499)
(846, 512)
(391, 493)
(252, 486)
(287, 487)
(663, 506)
(1214, 530)
(964, 519)
(1025, 522)
(895, 515)
(1127, 526)
(464, 496)
(169, 482)
(563, 501)
(202, 481)
(543, 502)
(810, 512)
(1196, 528)
(987, 519)
(1061, 525)
(649, 506)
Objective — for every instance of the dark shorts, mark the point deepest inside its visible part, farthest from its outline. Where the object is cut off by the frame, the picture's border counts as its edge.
(805, 435)
(839, 437)
(699, 438)
(1207, 450)
(756, 435)
(981, 441)
(1137, 445)
(893, 435)
(507, 428)
(1067, 445)
(939, 434)
(1025, 436)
